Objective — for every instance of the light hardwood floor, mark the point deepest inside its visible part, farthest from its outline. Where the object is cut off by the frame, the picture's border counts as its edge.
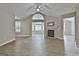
(71, 48)
(36, 45)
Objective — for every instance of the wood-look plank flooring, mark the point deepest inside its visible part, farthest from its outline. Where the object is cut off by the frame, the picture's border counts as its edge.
(36, 45)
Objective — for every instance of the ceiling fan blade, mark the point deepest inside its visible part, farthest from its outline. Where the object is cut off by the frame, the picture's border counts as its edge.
(29, 8)
(45, 5)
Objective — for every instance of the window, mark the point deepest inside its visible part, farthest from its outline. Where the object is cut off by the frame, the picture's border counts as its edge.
(17, 26)
(37, 26)
(37, 17)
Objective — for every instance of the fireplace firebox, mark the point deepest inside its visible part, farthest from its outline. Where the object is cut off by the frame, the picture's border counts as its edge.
(50, 33)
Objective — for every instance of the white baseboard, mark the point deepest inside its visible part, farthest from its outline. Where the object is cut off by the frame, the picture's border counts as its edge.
(23, 35)
(7, 42)
(60, 38)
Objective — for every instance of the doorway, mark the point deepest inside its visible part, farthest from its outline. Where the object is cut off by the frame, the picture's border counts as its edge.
(69, 35)
(37, 27)
(69, 26)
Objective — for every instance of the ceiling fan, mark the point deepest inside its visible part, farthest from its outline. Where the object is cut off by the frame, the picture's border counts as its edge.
(40, 6)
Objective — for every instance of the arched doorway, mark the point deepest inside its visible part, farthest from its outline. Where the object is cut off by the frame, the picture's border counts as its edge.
(38, 24)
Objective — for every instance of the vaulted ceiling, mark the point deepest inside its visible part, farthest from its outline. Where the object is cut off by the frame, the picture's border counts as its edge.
(25, 9)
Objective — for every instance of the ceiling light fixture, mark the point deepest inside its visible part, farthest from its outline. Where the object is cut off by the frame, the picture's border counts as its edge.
(38, 8)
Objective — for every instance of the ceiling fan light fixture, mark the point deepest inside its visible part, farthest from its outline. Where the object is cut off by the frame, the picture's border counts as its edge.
(38, 9)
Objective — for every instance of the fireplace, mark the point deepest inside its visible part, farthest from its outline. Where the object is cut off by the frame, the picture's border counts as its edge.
(50, 33)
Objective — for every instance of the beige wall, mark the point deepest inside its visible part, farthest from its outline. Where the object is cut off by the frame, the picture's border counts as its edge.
(77, 25)
(60, 27)
(6, 27)
(26, 27)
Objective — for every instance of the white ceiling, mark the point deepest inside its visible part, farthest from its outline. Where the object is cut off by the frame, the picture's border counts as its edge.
(25, 9)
